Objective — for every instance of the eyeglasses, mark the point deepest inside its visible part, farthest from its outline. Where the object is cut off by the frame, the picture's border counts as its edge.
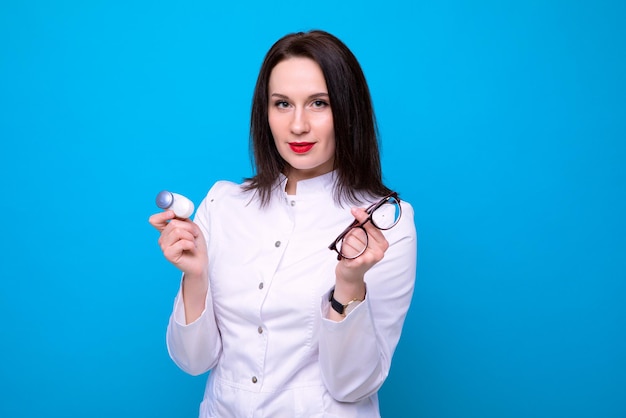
(384, 215)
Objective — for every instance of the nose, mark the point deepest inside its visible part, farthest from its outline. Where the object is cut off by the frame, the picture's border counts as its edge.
(299, 122)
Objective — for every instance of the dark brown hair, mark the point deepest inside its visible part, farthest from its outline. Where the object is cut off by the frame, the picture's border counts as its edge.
(357, 156)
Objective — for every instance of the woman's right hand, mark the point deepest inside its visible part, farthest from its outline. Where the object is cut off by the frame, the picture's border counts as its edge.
(182, 243)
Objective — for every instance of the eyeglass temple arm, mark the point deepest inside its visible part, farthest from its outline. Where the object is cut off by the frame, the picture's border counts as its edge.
(333, 246)
(371, 208)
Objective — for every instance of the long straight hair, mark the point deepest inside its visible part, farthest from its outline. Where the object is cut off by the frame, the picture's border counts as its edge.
(357, 155)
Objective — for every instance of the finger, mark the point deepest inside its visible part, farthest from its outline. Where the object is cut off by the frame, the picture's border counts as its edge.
(362, 216)
(172, 236)
(186, 224)
(160, 220)
(377, 240)
(354, 243)
(175, 252)
(179, 229)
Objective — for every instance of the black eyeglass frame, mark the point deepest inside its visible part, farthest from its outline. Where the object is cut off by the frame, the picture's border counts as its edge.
(370, 210)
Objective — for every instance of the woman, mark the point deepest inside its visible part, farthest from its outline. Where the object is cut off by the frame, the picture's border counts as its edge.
(287, 327)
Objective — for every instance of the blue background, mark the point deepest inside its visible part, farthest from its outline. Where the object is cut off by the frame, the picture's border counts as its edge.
(503, 123)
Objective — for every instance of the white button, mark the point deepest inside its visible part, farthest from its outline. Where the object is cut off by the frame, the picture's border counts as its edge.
(293, 203)
(277, 244)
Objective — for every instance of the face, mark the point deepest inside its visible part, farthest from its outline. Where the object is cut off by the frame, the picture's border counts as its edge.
(300, 118)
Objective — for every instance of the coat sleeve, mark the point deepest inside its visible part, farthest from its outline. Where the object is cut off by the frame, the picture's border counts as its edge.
(355, 354)
(195, 347)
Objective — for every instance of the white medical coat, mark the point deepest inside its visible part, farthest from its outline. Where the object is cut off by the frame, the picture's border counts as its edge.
(264, 333)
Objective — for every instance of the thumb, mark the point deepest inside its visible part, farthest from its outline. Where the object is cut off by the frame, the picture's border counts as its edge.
(359, 214)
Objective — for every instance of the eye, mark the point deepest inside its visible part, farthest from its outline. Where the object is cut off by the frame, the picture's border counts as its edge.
(319, 104)
(281, 104)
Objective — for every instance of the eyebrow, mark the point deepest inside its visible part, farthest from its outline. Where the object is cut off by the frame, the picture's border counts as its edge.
(313, 96)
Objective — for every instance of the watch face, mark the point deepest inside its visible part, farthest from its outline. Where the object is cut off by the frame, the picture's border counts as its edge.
(350, 306)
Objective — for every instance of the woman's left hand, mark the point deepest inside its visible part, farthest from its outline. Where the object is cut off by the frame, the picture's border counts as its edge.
(353, 270)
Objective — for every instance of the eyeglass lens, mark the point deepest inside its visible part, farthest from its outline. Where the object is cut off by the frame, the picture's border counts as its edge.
(383, 216)
(387, 214)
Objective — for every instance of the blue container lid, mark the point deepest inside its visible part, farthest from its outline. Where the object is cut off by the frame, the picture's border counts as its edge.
(164, 199)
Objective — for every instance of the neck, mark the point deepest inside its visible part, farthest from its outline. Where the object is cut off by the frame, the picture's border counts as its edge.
(294, 176)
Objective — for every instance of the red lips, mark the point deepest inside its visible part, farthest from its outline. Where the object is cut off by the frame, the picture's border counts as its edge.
(301, 147)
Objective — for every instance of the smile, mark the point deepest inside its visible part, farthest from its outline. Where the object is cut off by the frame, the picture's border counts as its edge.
(301, 147)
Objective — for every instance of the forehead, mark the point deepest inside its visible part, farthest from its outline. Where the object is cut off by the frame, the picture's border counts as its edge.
(297, 74)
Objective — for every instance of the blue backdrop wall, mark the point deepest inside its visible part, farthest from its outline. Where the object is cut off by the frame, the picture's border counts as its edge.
(503, 123)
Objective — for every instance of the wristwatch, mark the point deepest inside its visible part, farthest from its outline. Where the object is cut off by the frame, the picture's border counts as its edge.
(341, 308)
